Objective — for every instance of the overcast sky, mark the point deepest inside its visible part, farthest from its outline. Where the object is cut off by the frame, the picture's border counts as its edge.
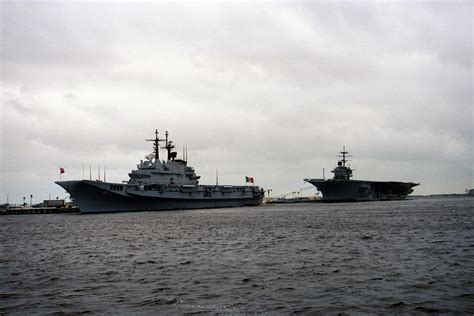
(271, 90)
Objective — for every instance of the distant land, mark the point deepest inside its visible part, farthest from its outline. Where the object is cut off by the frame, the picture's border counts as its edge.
(443, 194)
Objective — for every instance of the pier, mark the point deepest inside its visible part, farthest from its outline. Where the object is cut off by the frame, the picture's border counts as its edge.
(38, 210)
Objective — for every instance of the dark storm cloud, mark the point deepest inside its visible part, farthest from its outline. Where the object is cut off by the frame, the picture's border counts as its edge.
(265, 89)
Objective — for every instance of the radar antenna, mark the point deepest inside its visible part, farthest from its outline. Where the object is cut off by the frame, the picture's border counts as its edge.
(156, 147)
(344, 154)
(169, 147)
(342, 172)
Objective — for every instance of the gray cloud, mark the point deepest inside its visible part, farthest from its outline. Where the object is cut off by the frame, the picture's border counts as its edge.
(271, 90)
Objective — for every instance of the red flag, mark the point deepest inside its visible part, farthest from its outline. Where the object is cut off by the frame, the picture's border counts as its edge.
(61, 170)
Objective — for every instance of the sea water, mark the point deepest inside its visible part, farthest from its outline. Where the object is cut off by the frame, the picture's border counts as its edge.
(412, 256)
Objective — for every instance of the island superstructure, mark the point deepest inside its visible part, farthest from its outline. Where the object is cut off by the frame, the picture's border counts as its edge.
(159, 185)
(341, 188)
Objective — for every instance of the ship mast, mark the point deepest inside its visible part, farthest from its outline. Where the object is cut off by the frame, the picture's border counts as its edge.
(156, 147)
(169, 147)
(344, 153)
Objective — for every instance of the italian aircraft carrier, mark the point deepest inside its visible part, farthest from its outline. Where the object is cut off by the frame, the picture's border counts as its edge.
(159, 185)
(342, 189)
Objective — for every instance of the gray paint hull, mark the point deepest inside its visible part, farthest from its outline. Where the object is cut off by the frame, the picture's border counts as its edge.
(361, 190)
(98, 197)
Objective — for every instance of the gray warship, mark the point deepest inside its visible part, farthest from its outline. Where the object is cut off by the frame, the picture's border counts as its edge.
(159, 185)
(342, 189)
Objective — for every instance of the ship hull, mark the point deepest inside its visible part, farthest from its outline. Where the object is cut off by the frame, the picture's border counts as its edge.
(103, 197)
(361, 190)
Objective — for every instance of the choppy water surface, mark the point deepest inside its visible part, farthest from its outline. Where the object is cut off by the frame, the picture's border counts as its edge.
(377, 257)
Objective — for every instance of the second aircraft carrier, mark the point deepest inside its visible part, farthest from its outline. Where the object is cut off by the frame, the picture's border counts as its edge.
(342, 189)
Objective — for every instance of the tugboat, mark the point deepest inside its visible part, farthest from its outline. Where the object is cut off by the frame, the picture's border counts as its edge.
(159, 185)
(342, 189)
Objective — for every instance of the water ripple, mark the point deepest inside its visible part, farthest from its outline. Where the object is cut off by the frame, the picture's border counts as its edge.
(400, 257)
